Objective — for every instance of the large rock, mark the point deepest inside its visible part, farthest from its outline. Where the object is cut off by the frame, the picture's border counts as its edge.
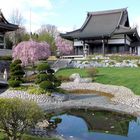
(77, 79)
(74, 76)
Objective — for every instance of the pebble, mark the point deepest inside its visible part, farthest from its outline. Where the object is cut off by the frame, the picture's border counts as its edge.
(124, 99)
(37, 98)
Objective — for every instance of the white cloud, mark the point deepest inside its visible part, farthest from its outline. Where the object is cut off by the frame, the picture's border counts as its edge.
(40, 10)
(136, 23)
(65, 29)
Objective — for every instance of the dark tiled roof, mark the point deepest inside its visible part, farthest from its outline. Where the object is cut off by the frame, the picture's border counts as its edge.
(123, 29)
(5, 25)
(98, 24)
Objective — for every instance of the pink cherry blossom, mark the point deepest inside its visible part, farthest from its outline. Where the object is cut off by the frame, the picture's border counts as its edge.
(31, 51)
(64, 46)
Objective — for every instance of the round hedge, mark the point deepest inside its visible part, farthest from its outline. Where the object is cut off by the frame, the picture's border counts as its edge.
(46, 85)
(41, 77)
(14, 83)
(43, 67)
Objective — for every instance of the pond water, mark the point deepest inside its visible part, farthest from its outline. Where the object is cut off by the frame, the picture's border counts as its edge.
(98, 125)
(2, 88)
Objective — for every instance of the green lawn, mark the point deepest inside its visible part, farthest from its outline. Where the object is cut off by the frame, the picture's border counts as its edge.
(29, 137)
(128, 77)
(69, 71)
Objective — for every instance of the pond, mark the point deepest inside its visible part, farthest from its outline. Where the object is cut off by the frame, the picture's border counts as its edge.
(2, 88)
(97, 125)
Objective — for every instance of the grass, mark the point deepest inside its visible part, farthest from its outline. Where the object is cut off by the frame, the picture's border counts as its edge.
(128, 77)
(28, 137)
(69, 71)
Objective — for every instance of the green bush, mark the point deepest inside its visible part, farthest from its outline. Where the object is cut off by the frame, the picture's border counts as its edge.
(14, 83)
(92, 72)
(56, 82)
(57, 120)
(16, 74)
(16, 112)
(35, 90)
(46, 85)
(138, 64)
(41, 77)
(46, 78)
(17, 61)
(43, 67)
(30, 137)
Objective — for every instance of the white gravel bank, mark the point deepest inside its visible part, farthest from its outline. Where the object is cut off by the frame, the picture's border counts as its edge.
(124, 99)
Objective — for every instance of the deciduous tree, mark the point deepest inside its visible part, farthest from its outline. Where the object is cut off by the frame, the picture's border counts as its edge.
(31, 51)
(17, 116)
(63, 45)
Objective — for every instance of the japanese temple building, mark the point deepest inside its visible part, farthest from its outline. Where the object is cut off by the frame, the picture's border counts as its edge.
(105, 32)
(5, 26)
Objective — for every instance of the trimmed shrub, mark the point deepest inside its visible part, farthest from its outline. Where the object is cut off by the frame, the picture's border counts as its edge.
(17, 61)
(43, 67)
(41, 77)
(92, 72)
(16, 74)
(46, 85)
(34, 90)
(46, 78)
(56, 82)
(14, 83)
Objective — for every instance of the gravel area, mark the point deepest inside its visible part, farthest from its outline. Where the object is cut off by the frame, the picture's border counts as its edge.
(123, 101)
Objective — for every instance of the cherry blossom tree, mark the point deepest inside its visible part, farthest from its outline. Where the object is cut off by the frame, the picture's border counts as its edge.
(64, 46)
(31, 51)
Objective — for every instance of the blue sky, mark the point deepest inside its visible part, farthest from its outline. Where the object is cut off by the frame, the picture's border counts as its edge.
(66, 14)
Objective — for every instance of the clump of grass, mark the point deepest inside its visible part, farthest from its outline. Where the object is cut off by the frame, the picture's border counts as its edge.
(92, 72)
(32, 90)
(63, 78)
(87, 91)
(37, 90)
(22, 88)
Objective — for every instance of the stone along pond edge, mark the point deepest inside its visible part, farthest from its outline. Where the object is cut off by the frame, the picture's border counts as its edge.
(124, 100)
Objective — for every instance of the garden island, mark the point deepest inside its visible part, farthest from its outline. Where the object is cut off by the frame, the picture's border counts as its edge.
(53, 84)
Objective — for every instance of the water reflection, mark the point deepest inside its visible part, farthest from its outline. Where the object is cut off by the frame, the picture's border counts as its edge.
(98, 125)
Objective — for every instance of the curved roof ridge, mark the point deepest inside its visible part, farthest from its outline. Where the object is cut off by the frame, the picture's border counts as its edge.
(118, 24)
(86, 22)
(3, 18)
(107, 11)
